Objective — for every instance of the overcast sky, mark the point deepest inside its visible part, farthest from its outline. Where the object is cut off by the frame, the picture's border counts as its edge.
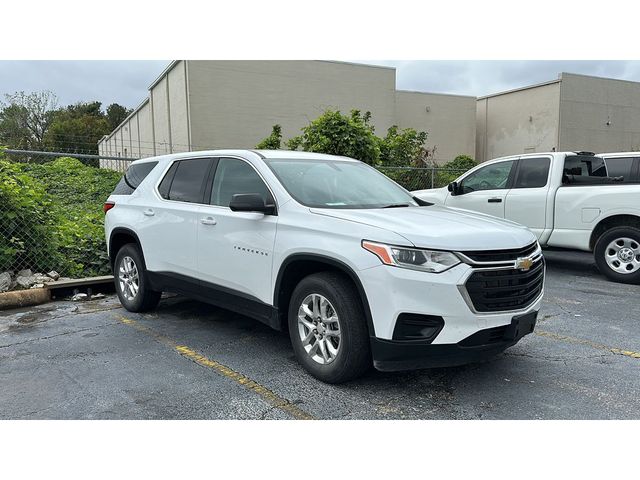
(126, 82)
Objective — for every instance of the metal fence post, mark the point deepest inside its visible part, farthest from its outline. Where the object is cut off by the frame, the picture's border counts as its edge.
(433, 172)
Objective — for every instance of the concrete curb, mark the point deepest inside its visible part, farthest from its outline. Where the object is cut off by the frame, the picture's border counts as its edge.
(24, 298)
(37, 296)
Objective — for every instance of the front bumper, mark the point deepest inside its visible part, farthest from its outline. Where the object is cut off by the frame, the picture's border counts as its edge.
(394, 291)
(389, 355)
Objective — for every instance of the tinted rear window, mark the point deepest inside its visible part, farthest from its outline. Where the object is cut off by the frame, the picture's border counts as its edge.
(620, 167)
(165, 184)
(188, 181)
(532, 173)
(133, 177)
(585, 170)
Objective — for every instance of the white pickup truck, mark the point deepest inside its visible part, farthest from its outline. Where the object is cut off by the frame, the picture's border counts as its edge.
(573, 200)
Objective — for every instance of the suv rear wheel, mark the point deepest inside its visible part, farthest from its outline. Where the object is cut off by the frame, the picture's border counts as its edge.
(328, 329)
(617, 254)
(131, 281)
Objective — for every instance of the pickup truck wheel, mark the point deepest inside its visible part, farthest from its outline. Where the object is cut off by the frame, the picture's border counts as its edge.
(617, 254)
(132, 285)
(328, 329)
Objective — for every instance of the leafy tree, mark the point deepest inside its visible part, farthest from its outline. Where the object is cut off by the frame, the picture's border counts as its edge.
(273, 141)
(338, 134)
(116, 114)
(25, 119)
(77, 129)
(401, 148)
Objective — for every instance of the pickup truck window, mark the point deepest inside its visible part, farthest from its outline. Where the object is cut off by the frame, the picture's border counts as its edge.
(532, 173)
(621, 167)
(492, 177)
(585, 170)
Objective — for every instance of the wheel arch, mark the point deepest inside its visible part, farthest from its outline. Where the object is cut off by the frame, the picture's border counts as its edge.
(119, 237)
(619, 220)
(299, 265)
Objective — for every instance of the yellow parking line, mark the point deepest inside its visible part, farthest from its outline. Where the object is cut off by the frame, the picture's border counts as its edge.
(266, 394)
(580, 341)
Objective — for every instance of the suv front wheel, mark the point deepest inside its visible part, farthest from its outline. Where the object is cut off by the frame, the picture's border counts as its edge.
(328, 329)
(131, 281)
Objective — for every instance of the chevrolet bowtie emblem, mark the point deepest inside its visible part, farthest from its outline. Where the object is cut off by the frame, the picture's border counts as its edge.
(524, 263)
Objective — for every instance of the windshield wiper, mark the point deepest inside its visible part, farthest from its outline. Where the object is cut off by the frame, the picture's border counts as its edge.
(397, 205)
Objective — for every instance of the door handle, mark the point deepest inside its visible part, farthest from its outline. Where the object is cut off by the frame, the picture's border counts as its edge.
(208, 221)
(495, 200)
(149, 213)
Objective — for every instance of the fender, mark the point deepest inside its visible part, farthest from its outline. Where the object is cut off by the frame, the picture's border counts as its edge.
(336, 264)
(126, 231)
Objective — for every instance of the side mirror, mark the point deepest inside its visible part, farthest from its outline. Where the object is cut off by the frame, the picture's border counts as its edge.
(453, 187)
(250, 202)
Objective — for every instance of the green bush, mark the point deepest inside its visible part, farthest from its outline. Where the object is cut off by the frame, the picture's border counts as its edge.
(338, 134)
(54, 215)
(273, 141)
(401, 148)
(25, 220)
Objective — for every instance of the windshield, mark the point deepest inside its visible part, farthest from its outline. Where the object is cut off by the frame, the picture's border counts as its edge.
(338, 184)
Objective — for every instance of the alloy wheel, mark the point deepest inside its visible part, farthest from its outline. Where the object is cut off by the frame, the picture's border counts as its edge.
(319, 328)
(128, 278)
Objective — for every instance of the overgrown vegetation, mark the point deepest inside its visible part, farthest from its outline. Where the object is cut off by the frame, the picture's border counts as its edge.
(51, 216)
(273, 141)
(338, 134)
(354, 136)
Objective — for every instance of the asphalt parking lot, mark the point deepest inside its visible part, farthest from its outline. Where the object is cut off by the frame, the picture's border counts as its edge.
(188, 360)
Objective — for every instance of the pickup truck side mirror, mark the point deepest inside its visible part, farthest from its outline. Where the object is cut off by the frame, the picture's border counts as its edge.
(250, 202)
(454, 188)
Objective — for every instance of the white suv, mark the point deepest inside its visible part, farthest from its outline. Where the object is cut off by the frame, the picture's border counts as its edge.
(352, 265)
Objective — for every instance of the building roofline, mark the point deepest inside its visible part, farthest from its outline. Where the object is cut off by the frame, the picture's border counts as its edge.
(358, 64)
(599, 78)
(436, 93)
(134, 112)
(164, 73)
(519, 89)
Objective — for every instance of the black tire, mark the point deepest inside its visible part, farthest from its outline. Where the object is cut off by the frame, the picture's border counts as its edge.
(353, 356)
(145, 299)
(600, 252)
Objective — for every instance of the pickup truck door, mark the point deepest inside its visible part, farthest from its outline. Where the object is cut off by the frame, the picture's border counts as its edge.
(527, 201)
(485, 189)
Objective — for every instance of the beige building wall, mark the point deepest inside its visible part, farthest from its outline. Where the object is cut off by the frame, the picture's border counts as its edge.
(178, 107)
(146, 130)
(161, 117)
(135, 138)
(196, 105)
(599, 114)
(519, 121)
(234, 104)
(449, 121)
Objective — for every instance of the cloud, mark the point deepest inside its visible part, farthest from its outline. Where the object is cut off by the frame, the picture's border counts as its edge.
(479, 77)
(123, 82)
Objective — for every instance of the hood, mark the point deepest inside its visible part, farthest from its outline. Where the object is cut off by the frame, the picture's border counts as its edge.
(440, 227)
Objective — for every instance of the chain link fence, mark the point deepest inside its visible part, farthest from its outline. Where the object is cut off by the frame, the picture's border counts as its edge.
(413, 178)
(51, 219)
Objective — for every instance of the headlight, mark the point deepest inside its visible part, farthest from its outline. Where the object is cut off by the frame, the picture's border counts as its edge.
(434, 261)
